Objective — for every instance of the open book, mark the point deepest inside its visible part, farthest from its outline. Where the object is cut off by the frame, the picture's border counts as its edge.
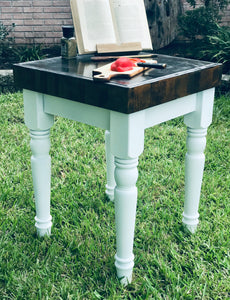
(109, 22)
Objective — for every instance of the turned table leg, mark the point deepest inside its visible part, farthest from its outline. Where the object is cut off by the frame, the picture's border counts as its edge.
(39, 124)
(197, 123)
(194, 166)
(125, 213)
(41, 171)
(127, 143)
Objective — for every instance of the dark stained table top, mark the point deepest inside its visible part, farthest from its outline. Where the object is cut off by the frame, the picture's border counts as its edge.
(72, 79)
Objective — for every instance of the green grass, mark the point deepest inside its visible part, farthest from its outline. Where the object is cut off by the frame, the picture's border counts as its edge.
(77, 261)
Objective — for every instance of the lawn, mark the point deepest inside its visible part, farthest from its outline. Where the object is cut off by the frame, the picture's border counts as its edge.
(77, 261)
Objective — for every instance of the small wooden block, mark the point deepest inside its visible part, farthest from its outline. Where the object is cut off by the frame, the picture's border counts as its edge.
(124, 47)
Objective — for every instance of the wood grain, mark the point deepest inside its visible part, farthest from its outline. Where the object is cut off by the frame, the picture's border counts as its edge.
(73, 80)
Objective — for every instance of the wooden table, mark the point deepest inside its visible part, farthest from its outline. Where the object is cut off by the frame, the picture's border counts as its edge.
(124, 108)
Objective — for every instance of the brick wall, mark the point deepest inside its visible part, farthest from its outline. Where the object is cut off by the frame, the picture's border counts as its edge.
(37, 21)
(40, 21)
(225, 15)
(187, 6)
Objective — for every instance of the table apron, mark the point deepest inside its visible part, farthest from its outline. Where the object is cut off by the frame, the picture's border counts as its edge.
(76, 111)
(101, 117)
(170, 110)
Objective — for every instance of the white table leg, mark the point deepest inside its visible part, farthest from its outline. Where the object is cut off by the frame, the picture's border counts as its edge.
(194, 166)
(110, 185)
(39, 124)
(125, 213)
(41, 171)
(197, 123)
(127, 143)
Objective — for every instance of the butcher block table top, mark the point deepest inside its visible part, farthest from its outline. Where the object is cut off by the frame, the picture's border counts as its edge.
(72, 79)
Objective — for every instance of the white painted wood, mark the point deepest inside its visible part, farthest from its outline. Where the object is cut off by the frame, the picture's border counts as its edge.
(125, 213)
(39, 124)
(110, 185)
(202, 116)
(127, 143)
(170, 110)
(124, 141)
(77, 111)
(197, 123)
(127, 134)
(41, 171)
(194, 166)
(34, 115)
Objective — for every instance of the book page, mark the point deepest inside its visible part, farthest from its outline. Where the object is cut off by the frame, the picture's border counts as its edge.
(131, 22)
(96, 23)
